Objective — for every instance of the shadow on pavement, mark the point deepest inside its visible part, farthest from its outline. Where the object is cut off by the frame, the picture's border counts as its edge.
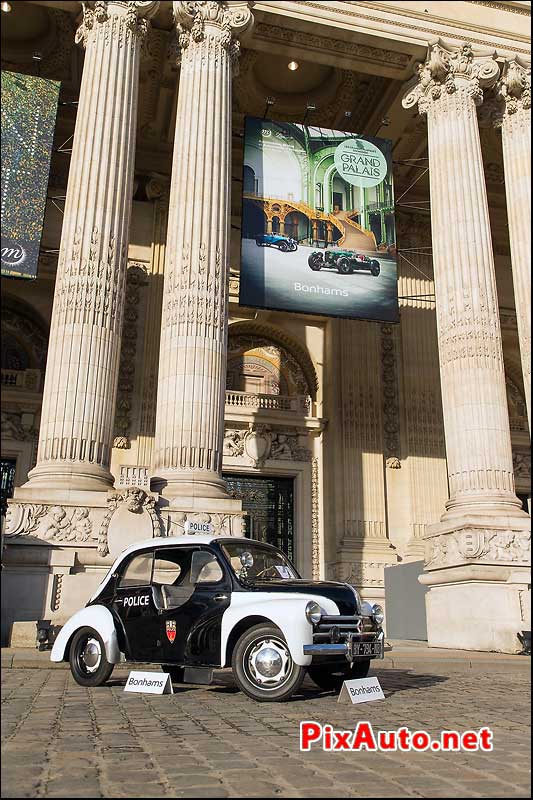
(392, 681)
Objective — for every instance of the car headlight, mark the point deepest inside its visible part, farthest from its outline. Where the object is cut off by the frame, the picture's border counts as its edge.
(378, 614)
(313, 612)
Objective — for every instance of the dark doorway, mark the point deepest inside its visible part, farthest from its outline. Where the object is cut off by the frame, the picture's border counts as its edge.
(270, 506)
(337, 201)
(8, 481)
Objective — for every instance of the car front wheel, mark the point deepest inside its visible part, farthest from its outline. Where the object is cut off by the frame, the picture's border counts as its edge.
(263, 666)
(375, 268)
(331, 678)
(88, 662)
(283, 246)
(315, 261)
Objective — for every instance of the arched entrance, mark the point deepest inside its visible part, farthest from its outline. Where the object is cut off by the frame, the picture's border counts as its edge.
(269, 447)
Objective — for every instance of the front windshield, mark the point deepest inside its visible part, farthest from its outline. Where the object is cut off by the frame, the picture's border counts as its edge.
(251, 561)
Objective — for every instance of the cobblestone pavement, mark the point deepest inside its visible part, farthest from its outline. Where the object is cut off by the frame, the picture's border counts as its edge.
(61, 740)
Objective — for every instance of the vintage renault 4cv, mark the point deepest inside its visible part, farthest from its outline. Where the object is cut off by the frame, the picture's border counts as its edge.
(203, 602)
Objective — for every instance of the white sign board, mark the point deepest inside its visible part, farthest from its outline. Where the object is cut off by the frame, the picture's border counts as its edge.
(192, 526)
(149, 683)
(362, 690)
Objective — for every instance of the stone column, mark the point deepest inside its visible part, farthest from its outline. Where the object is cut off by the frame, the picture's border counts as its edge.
(483, 523)
(192, 363)
(76, 431)
(514, 91)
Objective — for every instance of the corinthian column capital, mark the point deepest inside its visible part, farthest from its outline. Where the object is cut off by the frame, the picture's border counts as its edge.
(218, 22)
(451, 73)
(128, 19)
(513, 90)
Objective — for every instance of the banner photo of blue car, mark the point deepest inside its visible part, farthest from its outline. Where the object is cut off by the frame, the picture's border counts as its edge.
(29, 108)
(318, 231)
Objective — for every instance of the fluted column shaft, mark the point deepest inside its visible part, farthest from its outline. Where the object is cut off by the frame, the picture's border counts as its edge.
(76, 431)
(478, 441)
(515, 121)
(192, 362)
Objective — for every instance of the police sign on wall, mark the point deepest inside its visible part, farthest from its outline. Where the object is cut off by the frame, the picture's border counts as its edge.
(318, 231)
(29, 108)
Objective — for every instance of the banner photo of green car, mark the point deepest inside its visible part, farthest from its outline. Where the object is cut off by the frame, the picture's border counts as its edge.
(29, 108)
(318, 231)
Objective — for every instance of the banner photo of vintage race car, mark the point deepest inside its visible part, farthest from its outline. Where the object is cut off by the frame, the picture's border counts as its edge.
(318, 232)
(29, 108)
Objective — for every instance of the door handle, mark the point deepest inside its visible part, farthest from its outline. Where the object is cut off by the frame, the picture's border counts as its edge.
(219, 597)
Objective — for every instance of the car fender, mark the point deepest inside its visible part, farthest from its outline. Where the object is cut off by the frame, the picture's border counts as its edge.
(97, 617)
(286, 610)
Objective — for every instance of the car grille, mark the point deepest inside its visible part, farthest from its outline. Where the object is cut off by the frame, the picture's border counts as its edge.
(335, 629)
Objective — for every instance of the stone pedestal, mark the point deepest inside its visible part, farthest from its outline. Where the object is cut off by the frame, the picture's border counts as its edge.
(192, 365)
(478, 575)
(478, 442)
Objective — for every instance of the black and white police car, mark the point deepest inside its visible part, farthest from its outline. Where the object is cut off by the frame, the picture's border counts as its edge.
(201, 602)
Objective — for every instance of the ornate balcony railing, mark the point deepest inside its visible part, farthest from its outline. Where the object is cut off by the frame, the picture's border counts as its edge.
(28, 379)
(297, 404)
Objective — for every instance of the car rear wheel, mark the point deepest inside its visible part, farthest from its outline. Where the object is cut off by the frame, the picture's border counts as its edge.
(315, 261)
(88, 662)
(331, 678)
(344, 266)
(375, 268)
(263, 666)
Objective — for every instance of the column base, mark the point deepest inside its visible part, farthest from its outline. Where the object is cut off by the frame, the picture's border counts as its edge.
(177, 485)
(66, 476)
(504, 504)
(472, 603)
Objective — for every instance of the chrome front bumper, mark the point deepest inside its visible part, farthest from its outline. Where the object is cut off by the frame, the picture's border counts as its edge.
(345, 648)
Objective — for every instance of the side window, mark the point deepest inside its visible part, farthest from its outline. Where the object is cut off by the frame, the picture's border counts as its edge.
(165, 572)
(183, 566)
(138, 571)
(205, 568)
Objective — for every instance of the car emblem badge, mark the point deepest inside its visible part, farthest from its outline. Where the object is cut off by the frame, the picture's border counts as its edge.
(171, 630)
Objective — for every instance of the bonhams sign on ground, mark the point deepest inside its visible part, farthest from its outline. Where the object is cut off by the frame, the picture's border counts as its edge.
(318, 230)
(29, 108)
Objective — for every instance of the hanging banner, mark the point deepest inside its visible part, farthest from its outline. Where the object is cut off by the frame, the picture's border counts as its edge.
(318, 232)
(29, 109)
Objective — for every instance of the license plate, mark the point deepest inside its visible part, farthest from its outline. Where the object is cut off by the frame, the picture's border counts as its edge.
(367, 649)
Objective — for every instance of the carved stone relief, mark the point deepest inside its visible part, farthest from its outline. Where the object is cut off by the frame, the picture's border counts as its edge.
(134, 500)
(475, 544)
(260, 443)
(223, 524)
(391, 416)
(135, 280)
(51, 523)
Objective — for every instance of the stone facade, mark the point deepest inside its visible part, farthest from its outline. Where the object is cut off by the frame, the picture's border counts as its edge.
(133, 382)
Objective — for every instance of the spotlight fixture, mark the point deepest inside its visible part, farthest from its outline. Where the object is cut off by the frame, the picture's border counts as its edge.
(347, 114)
(385, 121)
(37, 55)
(293, 65)
(311, 107)
(6, 7)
